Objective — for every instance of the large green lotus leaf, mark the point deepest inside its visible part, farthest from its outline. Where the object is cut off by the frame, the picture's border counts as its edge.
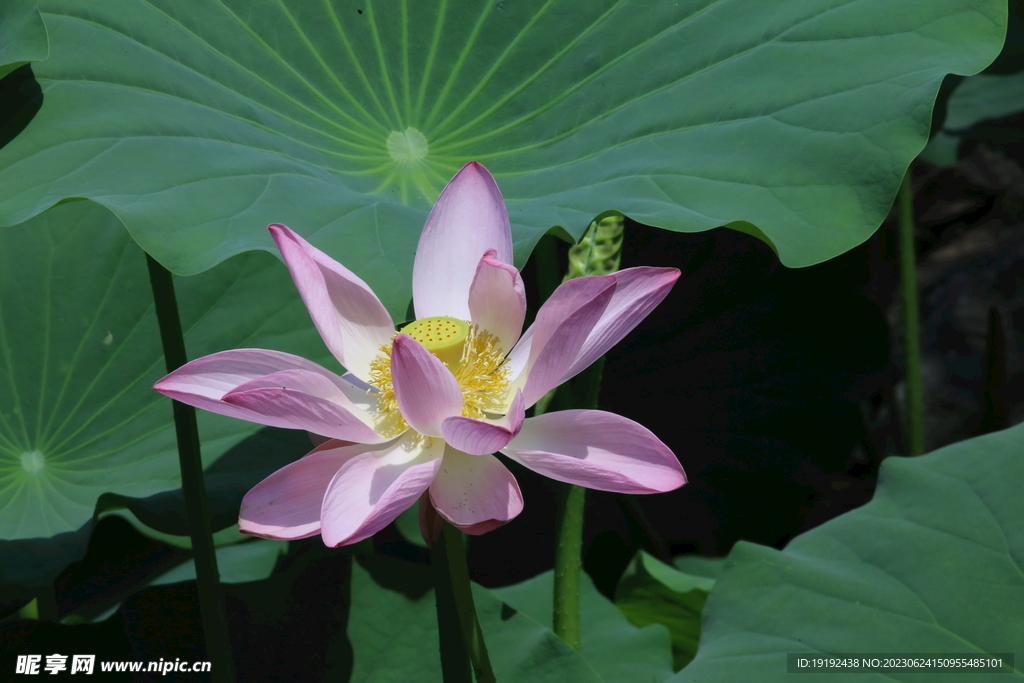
(652, 592)
(393, 631)
(618, 651)
(198, 123)
(22, 35)
(933, 564)
(79, 352)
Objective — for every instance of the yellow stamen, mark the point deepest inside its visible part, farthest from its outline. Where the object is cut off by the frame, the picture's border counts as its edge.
(480, 369)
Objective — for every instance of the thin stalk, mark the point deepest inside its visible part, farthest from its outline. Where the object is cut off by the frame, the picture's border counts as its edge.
(454, 655)
(197, 508)
(569, 549)
(461, 639)
(598, 253)
(568, 566)
(911, 317)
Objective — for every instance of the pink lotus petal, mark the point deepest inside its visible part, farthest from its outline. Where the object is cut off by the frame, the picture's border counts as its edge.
(370, 490)
(558, 334)
(203, 382)
(637, 292)
(481, 528)
(349, 316)
(475, 492)
(565, 300)
(425, 388)
(325, 385)
(497, 300)
(286, 505)
(306, 401)
(468, 219)
(482, 437)
(597, 450)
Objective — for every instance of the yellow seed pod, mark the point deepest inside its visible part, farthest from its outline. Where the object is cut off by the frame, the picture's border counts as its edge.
(443, 337)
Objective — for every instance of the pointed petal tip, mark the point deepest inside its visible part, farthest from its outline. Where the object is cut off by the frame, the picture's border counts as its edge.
(468, 218)
(279, 231)
(474, 167)
(671, 482)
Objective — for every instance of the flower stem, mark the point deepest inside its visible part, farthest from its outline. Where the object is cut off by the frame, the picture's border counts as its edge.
(462, 640)
(568, 565)
(197, 508)
(911, 313)
(598, 252)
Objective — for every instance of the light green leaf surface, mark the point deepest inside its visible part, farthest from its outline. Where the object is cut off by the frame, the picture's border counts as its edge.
(22, 35)
(652, 592)
(198, 123)
(394, 634)
(698, 565)
(933, 564)
(618, 651)
(79, 353)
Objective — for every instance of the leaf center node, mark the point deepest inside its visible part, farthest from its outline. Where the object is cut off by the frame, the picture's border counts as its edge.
(407, 147)
(33, 462)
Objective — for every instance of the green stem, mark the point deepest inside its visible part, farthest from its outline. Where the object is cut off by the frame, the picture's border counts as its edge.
(461, 639)
(568, 565)
(911, 317)
(569, 550)
(197, 509)
(597, 253)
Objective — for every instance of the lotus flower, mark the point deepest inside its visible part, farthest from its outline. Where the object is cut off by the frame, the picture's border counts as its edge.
(419, 414)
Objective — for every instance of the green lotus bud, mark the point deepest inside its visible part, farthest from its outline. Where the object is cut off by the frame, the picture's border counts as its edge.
(599, 250)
